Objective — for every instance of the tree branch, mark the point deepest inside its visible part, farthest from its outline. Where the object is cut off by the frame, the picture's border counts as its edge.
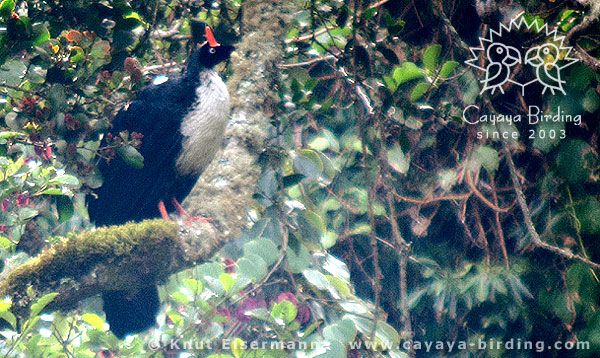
(535, 237)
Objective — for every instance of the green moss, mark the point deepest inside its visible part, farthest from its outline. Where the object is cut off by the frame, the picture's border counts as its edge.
(76, 255)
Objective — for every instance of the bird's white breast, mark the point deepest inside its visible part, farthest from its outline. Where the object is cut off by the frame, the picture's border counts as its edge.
(204, 125)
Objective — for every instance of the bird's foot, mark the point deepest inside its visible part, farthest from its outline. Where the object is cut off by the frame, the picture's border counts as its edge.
(163, 211)
(188, 218)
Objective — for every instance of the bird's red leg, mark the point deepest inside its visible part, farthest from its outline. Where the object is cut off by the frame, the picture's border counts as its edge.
(187, 216)
(163, 210)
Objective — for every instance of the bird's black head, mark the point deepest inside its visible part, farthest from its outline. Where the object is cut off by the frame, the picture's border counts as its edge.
(208, 55)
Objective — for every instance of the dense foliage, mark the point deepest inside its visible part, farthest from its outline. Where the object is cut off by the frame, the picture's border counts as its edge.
(381, 215)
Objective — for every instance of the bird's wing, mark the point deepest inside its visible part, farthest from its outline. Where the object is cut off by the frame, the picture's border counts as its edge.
(553, 73)
(493, 71)
(130, 193)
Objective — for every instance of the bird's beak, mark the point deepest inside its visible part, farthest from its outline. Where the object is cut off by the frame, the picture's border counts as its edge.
(512, 57)
(532, 57)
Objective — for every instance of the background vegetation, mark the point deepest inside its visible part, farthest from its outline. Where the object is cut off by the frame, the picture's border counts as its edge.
(379, 217)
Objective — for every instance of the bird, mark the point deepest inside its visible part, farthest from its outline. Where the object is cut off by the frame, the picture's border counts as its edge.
(544, 59)
(497, 72)
(181, 123)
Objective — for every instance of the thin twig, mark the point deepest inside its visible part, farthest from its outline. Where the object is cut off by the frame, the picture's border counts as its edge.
(478, 194)
(18, 89)
(574, 34)
(535, 237)
(499, 231)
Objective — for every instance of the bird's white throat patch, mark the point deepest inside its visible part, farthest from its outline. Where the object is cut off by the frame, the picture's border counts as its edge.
(204, 125)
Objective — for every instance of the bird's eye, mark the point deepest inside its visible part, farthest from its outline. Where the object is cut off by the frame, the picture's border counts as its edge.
(212, 50)
(546, 51)
(499, 50)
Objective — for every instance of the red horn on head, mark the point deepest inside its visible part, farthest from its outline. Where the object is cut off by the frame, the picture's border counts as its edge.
(210, 37)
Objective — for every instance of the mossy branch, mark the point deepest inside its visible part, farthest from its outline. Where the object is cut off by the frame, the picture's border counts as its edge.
(110, 258)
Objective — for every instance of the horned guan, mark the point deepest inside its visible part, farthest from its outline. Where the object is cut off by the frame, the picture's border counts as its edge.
(182, 122)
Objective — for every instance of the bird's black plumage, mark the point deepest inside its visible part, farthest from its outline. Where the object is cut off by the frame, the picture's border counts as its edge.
(130, 193)
(134, 309)
(159, 113)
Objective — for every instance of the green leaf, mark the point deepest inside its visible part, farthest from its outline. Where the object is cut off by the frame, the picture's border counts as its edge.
(488, 158)
(316, 279)
(226, 280)
(65, 209)
(94, 320)
(357, 199)
(418, 91)
(390, 83)
(329, 350)
(368, 13)
(268, 184)
(52, 191)
(319, 143)
(590, 100)
(40, 304)
(76, 55)
(298, 259)
(329, 239)
(27, 213)
(407, 72)
(40, 34)
(387, 334)
(356, 307)
(133, 15)
(180, 297)
(431, 56)
(264, 248)
(307, 166)
(9, 317)
(397, 160)
(6, 8)
(360, 229)
(548, 135)
(65, 179)
(237, 347)
(336, 267)
(175, 317)
(131, 156)
(447, 68)
(11, 134)
(5, 305)
(252, 267)
(193, 284)
(12, 71)
(574, 161)
(312, 225)
(209, 269)
(5, 244)
(100, 49)
(483, 288)
(588, 213)
(343, 331)
(285, 311)
(340, 285)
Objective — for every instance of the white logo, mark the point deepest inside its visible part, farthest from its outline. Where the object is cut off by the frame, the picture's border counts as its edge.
(547, 59)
